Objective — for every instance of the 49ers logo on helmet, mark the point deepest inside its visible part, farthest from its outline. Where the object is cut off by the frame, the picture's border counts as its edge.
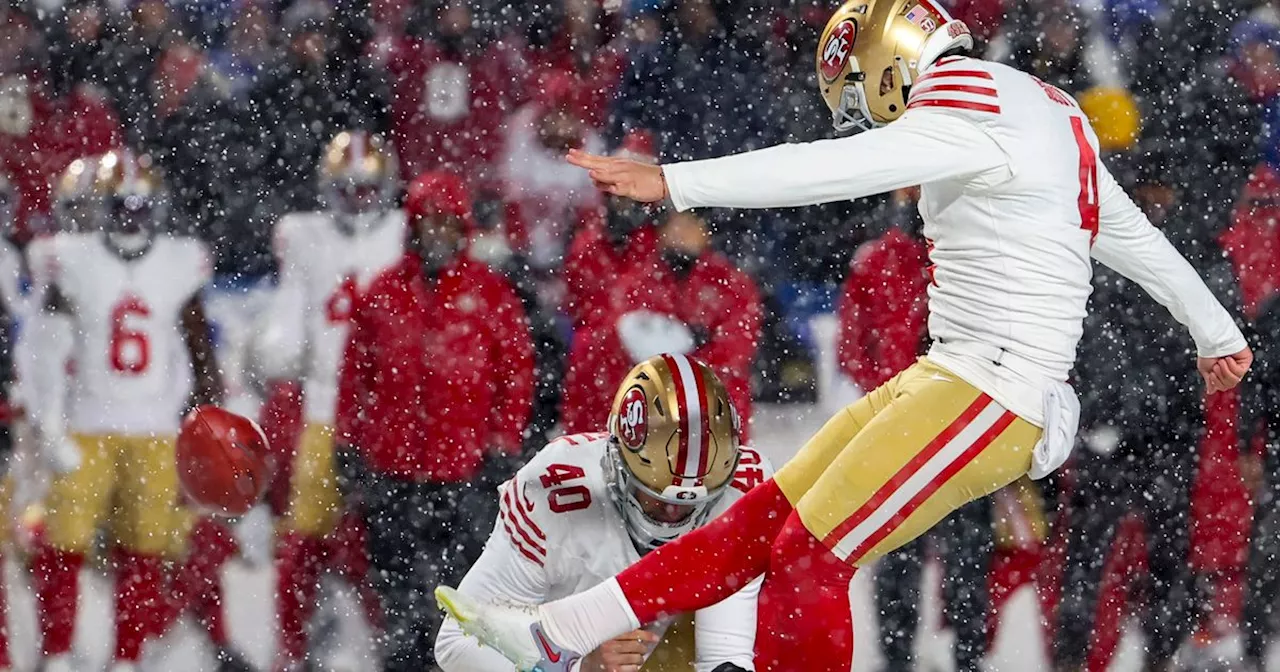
(633, 419)
(835, 54)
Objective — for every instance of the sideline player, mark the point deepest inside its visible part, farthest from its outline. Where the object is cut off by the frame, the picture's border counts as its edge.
(589, 505)
(1015, 203)
(326, 259)
(123, 306)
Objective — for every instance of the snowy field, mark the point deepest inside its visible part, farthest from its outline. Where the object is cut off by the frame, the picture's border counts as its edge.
(779, 431)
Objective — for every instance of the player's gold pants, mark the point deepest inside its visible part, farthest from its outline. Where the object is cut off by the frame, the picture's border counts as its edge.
(315, 504)
(889, 467)
(130, 482)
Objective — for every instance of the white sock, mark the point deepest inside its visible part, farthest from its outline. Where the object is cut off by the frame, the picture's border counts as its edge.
(584, 621)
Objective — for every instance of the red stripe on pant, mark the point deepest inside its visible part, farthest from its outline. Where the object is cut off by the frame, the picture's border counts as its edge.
(907, 471)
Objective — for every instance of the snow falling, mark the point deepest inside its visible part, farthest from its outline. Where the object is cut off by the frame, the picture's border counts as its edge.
(352, 222)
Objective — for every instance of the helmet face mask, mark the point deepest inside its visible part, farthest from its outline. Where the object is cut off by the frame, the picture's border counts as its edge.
(357, 179)
(871, 52)
(673, 448)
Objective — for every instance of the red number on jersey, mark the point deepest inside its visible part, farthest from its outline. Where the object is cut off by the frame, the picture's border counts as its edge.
(130, 349)
(569, 498)
(1088, 200)
(749, 474)
(342, 302)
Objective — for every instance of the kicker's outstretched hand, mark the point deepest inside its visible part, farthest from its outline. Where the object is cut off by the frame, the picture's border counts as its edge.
(623, 177)
(1223, 373)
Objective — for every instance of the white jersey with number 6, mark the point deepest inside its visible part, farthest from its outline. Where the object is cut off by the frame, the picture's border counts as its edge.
(559, 533)
(130, 367)
(322, 271)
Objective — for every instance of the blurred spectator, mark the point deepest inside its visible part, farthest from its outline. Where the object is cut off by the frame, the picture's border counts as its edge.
(131, 54)
(1054, 41)
(577, 45)
(693, 301)
(453, 91)
(42, 128)
(1252, 242)
(548, 196)
(1139, 427)
(1262, 477)
(250, 48)
(1114, 115)
(318, 89)
(883, 311)
(606, 248)
(695, 88)
(213, 157)
(434, 396)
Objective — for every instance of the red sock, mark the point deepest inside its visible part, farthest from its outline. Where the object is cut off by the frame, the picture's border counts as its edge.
(211, 546)
(56, 575)
(711, 563)
(804, 606)
(297, 582)
(138, 601)
(349, 553)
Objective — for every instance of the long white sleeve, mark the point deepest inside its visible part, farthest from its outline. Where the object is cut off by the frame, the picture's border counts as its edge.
(284, 337)
(502, 574)
(1128, 243)
(919, 148)
(51, 339)
(725, 632)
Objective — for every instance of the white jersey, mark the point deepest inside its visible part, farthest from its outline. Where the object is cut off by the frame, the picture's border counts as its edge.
(1014, 200)
(130, 366)
(322, 271)
(559, 533)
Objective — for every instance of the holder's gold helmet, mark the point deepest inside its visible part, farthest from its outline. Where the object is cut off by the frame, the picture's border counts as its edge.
(358, 174)
(871, 52)
(673, 447)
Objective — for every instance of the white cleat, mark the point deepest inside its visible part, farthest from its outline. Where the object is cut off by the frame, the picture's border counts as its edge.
(511, 630)
(123, 666)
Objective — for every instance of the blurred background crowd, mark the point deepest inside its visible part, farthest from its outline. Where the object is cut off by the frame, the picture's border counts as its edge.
(1172, 499)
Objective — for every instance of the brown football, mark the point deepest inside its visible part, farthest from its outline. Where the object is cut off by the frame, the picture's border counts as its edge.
(224, 463)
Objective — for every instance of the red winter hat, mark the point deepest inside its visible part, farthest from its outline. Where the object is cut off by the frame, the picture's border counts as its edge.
(439, 192)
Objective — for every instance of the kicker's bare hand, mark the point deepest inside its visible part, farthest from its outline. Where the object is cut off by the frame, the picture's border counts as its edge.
(624, 653)
(1223, 373)
(637, 181)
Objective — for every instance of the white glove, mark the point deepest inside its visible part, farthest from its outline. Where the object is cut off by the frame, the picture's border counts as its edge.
(58, 451)
(1061, 421)
(1103, 440)
(645, 334)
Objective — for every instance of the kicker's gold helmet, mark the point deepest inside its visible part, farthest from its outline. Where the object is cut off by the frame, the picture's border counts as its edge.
(871, 52)
(673, 447)
(358, 174)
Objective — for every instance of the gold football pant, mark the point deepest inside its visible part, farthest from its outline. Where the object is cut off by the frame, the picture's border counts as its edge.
(889, 467)
(315, 504)
(130, 482)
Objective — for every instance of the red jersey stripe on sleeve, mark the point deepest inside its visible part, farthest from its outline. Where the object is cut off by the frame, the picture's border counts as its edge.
(521, 535)
(534, 558)
(523, 510)
(955, 104)
(934, 87)
(947, 74)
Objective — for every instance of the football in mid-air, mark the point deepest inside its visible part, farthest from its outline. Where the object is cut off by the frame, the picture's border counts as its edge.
(224, 464)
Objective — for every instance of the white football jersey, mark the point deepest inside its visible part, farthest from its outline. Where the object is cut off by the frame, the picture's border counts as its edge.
(130, 366)
(559, 533)
(322, 271)
(1014, 200)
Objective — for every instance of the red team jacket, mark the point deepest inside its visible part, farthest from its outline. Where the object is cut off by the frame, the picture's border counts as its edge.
(448, 112)
(436, 373)
(715, 298)
(596, 362)
(883, 311)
